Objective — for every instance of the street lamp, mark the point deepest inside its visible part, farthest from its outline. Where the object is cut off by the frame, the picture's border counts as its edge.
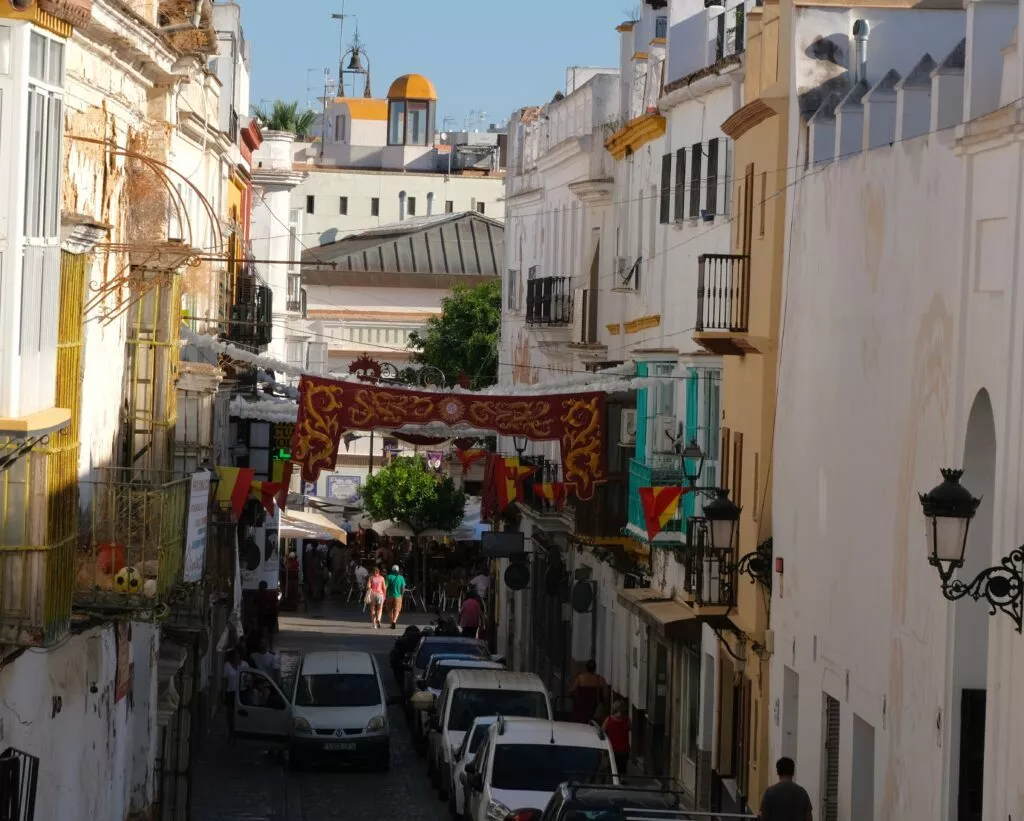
(520, 443)
(949, 508)
(723, 516)
(693, 455)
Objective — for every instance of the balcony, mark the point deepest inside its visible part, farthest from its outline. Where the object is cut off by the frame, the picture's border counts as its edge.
(252, 311)
(662, 471)
(604, 515)
(723, 305)
(549, 302)
(548, 472)
(132, 548)
(709, 37)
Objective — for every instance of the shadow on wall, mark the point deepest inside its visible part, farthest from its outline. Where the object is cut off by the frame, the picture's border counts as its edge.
(827, 73)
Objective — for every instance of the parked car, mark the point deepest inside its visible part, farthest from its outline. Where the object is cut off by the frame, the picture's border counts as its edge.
(469, 694)
(465, 756)
(573, 800)
(337, 710)
(523, 761)
(430, 646)
(424, 700)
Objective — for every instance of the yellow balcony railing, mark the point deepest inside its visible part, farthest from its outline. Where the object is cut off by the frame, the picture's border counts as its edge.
(132, 546)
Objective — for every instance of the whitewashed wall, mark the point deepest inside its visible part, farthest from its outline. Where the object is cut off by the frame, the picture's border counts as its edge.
(868, 411)
(96, 754)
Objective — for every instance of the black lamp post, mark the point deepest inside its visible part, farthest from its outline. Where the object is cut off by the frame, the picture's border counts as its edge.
(693, 462)
(723, 517)
(520, 443)
(949, 508)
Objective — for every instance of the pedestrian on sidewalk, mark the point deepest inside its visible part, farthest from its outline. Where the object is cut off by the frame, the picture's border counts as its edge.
(395, 589)
(469, 615)
(617, 728)
(786, 800)
(232, 665)
(589, 695)
(266, 661)
(266, 612)
(375, 589)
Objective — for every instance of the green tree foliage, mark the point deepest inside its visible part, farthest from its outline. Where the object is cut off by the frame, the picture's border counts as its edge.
(284, 116)
(407, 491)
(463, 339)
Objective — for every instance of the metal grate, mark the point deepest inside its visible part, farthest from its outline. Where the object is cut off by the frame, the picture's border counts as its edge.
(19, 777)
(830, 763)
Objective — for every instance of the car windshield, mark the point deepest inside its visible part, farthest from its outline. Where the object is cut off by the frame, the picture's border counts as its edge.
(542, 767)
(338, 690)
(439, 672)
(468, 705)
(433, 648)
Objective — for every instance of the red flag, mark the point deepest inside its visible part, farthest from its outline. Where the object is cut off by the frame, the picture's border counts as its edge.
(234, 487)
(286, 482)
(510, 484)
(551, 491)
(267, 493)
(660, 506)
(468, 457)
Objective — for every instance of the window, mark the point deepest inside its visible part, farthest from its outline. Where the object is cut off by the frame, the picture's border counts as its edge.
(680, 206)
(542, 767)
(375, 207)
(697, 152)
(513, 289)
(417, 124)
(481, 208)
(411, 206)
(665, 210)
(339, 128)
(449, 206)
(712, 195)
(343, 206)
(45, 132)
(338, 690)
(310, 203)
(396, 124)
(661, 27)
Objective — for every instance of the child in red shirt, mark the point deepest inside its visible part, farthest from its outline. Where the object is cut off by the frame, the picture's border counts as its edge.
(616, 727)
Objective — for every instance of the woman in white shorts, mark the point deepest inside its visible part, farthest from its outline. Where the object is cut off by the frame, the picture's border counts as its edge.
(375, 596)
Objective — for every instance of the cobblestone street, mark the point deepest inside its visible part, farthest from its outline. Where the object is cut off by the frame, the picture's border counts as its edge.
(240, 783)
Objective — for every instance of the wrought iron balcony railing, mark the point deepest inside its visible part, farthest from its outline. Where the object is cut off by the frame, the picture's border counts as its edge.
(252, 312)
(723, 293)
(549, 301)
(19, 781)
(548, 473)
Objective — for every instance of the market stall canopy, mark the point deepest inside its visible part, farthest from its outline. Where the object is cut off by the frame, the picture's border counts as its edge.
(389, 527)
(297, 524)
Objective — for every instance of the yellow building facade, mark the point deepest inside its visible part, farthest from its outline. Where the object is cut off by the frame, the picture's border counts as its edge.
(749, 343)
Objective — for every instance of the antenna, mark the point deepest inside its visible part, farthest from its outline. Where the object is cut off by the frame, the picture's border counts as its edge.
(341, 49)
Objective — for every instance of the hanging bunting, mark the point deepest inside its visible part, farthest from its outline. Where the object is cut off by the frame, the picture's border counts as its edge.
(660, 505)
(467, 458)
(234, 487)
(551, 491)
(267, 493)
(286, 483)
(513, 475)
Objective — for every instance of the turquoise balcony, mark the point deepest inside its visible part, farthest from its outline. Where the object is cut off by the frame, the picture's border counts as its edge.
(663, 472)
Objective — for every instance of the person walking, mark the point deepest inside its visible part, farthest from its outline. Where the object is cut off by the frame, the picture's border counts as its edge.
(469, 616)
(616, 728)
(395, 589)
(481, 584)
(266, 612)
(232, 665)
(786, 800)
(588, 693)
(375, 589)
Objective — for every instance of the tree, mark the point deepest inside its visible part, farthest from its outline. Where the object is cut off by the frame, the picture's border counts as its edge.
(284, 116)
(463, 340)
(407, 491)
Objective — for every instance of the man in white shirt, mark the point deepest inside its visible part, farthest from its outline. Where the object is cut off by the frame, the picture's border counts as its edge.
(361, 574)
(481, 583)
(232, 665)
(266, 661)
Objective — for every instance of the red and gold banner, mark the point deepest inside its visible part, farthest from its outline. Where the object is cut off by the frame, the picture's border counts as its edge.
(551, 491)
(329, 408)
(660, 505)
(467, 458)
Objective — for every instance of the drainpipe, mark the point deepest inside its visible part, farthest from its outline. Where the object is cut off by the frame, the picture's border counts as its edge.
(197, 17)
(861, 30)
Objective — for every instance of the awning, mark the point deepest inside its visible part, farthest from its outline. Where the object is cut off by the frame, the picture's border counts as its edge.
(670, 617)
(297, 524)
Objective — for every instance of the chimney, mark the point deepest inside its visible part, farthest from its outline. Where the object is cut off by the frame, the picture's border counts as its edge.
(861, 30)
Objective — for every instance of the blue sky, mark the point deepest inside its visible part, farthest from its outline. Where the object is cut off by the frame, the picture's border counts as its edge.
(482, 55)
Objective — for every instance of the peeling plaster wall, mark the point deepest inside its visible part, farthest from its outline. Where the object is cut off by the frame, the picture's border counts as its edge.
(96, 754)
(865, 418)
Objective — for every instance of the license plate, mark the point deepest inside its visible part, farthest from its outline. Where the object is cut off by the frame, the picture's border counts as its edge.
(339, 746)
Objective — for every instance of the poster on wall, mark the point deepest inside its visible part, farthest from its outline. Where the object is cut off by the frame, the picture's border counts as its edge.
(125, 668)
(268, 566)
(195, 529)
(343, 488)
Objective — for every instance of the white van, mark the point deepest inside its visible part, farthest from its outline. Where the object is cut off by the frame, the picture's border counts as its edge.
(338, 707)
(522, 761)
(469, 694)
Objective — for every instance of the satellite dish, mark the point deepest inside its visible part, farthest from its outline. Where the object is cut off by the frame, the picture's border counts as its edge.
(517, 576)
(582, 597)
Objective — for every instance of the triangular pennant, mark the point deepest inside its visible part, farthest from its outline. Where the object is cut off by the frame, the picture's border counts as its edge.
(234, 487)
(551, 491)
(267, 493)
(660, 505)
(468, 457)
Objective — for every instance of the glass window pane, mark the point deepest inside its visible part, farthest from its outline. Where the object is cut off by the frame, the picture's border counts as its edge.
(55, 72)
(35, 172)
(396, 131)
(55, 126)
(37, 57)
(5, 50)
(417, 123)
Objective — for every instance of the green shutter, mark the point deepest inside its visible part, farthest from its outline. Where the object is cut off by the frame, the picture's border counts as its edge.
(692, 426)
(641, 416)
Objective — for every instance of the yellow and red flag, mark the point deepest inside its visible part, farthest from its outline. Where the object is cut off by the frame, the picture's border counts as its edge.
(267, 493)
(234, 487)
(468, 457)
(551, 491)
(510, 481)
(660, 504)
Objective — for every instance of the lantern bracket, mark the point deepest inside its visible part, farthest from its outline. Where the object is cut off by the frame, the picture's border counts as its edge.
(1002, 586)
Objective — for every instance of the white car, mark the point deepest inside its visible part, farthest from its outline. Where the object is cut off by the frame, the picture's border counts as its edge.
(338, 708)
(429, 688)
(468, 694)
(465, 756)
(522, 761)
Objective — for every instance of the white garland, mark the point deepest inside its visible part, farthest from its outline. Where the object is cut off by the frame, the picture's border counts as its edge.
(265, 409)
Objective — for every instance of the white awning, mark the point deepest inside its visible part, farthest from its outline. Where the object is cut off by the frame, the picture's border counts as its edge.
(298, 524)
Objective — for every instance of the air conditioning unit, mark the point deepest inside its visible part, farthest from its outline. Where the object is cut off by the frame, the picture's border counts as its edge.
(627, 428)
(579, 331)
(665, 438)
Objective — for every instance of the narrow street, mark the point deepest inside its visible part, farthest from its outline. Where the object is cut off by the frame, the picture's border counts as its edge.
(238, 783)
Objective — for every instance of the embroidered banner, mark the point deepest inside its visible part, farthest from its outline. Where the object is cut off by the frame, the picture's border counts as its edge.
(328, 409)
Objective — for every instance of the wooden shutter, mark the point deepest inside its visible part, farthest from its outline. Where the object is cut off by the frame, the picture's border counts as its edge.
(711, 199)
(665, 210)
(695, 158)
(748, 208)
(680, 207)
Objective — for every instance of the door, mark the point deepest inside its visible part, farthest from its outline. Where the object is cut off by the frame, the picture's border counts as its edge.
(972, 755)
(475, 800)
(658, 704)
(262, 713)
